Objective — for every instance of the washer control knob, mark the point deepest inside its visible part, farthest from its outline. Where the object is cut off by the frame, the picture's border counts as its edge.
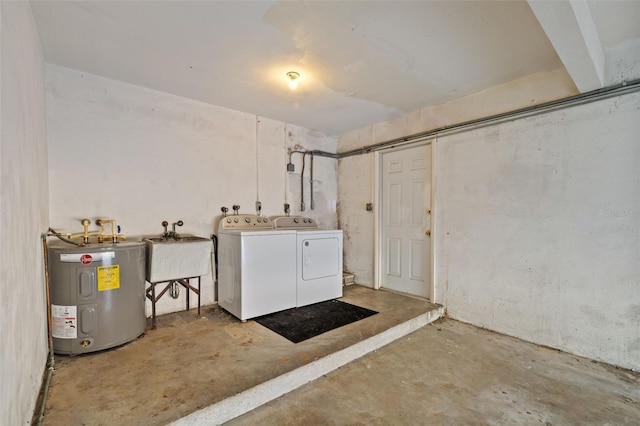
(228, 220)
(296, 220)
(235, 220)
(247, 219)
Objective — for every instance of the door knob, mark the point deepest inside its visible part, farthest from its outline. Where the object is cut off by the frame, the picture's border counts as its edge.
(427, 232)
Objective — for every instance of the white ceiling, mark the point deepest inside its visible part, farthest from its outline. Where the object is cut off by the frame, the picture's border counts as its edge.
(360, 62)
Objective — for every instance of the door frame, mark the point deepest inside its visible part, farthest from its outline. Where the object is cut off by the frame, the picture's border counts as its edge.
(379, 209)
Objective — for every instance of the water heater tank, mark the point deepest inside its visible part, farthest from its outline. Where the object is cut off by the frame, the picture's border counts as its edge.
(97, 295)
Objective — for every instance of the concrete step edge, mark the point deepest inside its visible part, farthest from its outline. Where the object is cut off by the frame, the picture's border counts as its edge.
(250, 399)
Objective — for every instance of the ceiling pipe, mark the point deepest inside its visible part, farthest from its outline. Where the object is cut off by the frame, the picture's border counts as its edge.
(592, 96)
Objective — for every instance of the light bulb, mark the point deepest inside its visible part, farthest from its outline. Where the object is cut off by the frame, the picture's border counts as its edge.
(293, 77)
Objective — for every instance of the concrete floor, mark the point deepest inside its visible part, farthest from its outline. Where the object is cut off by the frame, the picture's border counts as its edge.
(187, 363)
(451, 373)
(444, 373)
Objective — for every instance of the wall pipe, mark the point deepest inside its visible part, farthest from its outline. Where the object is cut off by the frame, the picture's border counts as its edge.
(582, 98)
(286, 175)
(302, 183)
(257, 166)
(304, 154)
(592, 96)
(51, 359)
(61, 237)
(311, 200)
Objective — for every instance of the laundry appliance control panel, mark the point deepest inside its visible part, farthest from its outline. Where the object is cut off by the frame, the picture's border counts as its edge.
(294, 222)
(246, 221)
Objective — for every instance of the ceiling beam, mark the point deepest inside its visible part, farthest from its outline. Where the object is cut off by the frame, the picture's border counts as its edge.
(569, 26)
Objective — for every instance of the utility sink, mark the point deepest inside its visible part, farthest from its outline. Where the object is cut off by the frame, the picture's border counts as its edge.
(174, 258)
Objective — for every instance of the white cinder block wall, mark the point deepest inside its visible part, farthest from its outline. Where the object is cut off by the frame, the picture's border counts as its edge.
(537, 222)
(24, 214)
(539, 229)
(356, 174)
(139, 156)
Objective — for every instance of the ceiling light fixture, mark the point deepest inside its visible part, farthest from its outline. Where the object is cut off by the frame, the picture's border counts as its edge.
(293, 76)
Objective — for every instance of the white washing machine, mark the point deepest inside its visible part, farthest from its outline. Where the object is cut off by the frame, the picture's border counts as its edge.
(318, 259)
(256, 266)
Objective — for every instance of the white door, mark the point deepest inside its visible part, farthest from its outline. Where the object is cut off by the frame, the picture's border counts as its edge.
(406, 220)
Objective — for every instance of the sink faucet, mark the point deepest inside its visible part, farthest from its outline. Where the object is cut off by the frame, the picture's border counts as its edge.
(171, 234)
(179, 223)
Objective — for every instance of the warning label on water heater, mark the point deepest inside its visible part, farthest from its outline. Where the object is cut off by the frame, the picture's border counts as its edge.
(108, 277)
(64, 321)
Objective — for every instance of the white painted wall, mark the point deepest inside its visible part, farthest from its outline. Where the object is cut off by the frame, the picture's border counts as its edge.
(355, 189)
(24, 214)
(537, 221)
(356, 174)
(539, 225)
(140, 156)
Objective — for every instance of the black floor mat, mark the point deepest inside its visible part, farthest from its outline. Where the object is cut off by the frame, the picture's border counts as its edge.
(303, 323)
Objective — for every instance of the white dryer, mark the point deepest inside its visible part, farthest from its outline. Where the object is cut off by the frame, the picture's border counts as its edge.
(256, 266)
(318, 259)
